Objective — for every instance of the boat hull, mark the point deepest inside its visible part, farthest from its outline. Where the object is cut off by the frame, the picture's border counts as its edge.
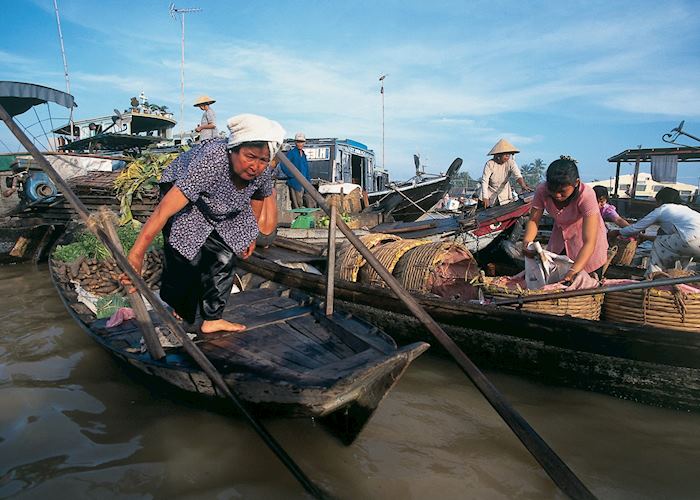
(645, 364)
(292, 360)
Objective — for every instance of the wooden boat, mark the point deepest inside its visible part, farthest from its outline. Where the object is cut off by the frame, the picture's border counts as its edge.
(292, 359)
(407, 201)
(477, 232)
(26, 240)
(645, 364)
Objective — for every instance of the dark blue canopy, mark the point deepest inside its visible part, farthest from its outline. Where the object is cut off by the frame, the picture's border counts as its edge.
(17, 97)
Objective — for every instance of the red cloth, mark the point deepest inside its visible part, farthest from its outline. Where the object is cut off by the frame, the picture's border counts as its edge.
(568, 225)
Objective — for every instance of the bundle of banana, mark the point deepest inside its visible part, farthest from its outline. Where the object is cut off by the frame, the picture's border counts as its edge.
(139, 179)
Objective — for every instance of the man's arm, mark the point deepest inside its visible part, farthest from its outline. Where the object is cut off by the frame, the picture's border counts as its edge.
(485, 179)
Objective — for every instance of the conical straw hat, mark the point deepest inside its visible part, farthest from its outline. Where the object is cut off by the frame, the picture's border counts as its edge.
(203, 99)
(503, 146)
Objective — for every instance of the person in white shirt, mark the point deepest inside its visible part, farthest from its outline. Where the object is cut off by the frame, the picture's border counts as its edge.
(495, 186)
(680, 225)
(207, 128)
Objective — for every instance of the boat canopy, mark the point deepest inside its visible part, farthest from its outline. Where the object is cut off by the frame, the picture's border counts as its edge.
(110, 142)
(17, 97)
(644, 154)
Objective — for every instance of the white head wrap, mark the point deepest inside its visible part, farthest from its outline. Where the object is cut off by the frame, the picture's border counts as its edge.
(253, 128)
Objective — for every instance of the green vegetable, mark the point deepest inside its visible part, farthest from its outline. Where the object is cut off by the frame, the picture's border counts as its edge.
(141, 175)
(326, 220)
(87, 245)
(108, 305)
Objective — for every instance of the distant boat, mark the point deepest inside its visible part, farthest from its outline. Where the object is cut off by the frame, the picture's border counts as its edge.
(138, 127)
(26, 239)
(407, 201)
(333, 160)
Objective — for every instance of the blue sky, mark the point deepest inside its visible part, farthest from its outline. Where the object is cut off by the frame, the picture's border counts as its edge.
(588, 79)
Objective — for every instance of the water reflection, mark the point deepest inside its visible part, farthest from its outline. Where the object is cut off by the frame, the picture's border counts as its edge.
(74, 423)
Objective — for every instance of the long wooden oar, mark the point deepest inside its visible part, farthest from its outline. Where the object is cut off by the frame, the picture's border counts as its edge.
(189, 346)
(560, 473)
(641, 285)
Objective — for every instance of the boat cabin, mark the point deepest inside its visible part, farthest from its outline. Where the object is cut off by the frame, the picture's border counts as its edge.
(633, 195)
(342, 160)
(139, 126)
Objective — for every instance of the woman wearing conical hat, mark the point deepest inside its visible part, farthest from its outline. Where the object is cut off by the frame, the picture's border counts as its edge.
(207, 127)
(495, 186)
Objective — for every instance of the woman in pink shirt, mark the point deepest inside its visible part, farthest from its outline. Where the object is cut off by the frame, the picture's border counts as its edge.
(579, 231)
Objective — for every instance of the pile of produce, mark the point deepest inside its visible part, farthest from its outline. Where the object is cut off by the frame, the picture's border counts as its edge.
(88, 261)
(138, 179)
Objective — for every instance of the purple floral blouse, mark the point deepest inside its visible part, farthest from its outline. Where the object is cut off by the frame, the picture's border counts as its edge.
(204, 176)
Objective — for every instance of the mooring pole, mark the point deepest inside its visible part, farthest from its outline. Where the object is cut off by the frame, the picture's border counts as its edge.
(330, 267)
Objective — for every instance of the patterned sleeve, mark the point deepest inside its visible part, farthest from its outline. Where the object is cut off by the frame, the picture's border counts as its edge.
(202, 174)
(589, 204)
(265, 185)
(538, 200)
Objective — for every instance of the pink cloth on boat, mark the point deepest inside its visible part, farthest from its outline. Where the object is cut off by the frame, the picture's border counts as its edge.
(120, 316)
(582, 281)
(567, 233)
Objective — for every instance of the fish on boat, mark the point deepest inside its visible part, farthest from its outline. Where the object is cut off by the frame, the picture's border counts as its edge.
(291, 360)
(647, 364)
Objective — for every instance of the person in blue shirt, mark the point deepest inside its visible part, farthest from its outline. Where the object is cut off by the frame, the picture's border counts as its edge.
(297, 156)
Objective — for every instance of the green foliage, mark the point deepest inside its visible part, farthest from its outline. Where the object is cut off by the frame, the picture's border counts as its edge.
(325, 220)
(87, 244)
(142, 174)
(106, 306)
(533, 173)
(461, 180)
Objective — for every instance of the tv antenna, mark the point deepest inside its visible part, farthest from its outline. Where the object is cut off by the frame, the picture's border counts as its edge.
(381, 79)
(174, 11)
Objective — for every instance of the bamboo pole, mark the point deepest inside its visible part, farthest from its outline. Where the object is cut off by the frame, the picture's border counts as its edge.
(167, 318)
(135, 300)
(330, 271)
(601, 289)
(557, 470)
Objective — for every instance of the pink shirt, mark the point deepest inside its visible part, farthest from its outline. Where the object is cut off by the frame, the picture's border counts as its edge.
(568, 225)
(609, 213)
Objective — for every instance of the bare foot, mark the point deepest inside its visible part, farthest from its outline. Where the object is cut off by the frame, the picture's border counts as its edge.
(221, 325)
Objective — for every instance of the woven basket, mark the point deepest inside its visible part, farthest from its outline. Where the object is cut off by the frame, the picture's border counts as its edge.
(417, 270)
(389, 255)
(349, 259)
(675, 309)
(625, 251)
(586, 306)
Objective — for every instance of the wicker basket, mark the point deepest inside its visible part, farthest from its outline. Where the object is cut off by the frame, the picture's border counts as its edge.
(349, 259)
(672, 309)
(625, 251)
(586, 306)
(422, 269)
(389, 255)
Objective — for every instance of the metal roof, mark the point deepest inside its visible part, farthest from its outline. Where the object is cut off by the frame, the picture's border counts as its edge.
(685, 154)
